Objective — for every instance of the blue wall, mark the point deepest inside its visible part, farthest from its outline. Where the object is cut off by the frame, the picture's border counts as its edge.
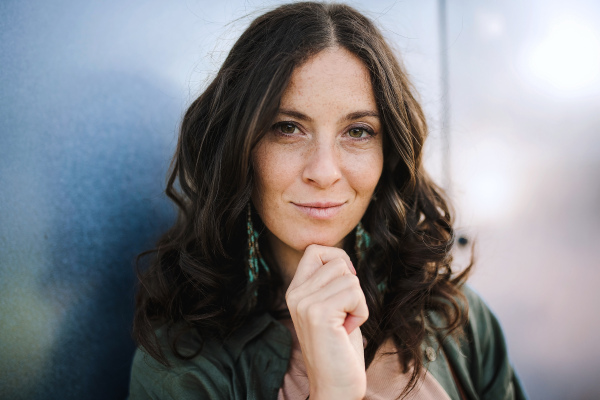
(83, 155)
(91, 94)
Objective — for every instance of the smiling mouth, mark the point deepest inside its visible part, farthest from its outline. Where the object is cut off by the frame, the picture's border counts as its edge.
(319, 210)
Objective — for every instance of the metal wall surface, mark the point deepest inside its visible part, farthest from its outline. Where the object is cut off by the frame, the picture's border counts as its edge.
(91, 97)
(83, 152)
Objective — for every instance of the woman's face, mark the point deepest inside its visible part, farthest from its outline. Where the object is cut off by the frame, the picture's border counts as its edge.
(318, 166)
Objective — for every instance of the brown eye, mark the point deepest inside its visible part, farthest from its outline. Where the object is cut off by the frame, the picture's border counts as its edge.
(287, 128)
(356, 132)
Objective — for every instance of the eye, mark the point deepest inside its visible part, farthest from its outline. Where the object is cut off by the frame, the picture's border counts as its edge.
(288, 128)
(358, 133)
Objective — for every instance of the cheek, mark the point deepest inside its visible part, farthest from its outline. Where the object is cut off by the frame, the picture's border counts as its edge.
(364, 171)
(273, 173)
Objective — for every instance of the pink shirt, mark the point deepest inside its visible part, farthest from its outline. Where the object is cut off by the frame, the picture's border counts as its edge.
(385, 379)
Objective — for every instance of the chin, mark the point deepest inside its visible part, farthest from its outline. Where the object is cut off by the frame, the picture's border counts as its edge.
(320, 239)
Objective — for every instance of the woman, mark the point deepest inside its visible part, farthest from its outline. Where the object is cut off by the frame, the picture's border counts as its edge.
(311, 256)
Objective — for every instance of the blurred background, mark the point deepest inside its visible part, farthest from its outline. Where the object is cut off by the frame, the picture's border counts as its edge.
(91, 98)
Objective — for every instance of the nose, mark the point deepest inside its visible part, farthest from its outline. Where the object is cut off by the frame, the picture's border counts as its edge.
(322, 167)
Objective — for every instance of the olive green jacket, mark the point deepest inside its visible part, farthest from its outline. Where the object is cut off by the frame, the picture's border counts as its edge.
(251, 363)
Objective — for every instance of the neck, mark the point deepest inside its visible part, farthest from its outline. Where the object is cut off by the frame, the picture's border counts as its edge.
(286, 258)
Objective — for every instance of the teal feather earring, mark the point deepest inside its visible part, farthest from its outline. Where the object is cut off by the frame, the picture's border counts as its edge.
(362, 244)
(254, 260)
(363, 241)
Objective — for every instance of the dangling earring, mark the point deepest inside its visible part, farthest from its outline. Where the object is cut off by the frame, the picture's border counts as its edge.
(254, 260)
(363, 241)
(362, 244)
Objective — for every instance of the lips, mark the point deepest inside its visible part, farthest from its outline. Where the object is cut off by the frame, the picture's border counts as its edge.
(320, 209)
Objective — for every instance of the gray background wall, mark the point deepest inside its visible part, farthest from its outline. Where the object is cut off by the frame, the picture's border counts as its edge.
(91, 97)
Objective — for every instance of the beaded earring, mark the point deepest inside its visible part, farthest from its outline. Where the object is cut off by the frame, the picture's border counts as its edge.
(363, 241)
(254, 258)
(361, 245)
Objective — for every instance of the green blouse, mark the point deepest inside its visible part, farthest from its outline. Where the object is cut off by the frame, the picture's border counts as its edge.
(251, 363)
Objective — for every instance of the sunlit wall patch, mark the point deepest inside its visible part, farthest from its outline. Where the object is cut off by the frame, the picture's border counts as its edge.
(567, 58)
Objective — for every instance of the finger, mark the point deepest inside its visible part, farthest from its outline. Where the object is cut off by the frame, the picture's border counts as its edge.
(353, 322)
(326, 281)
(333, 304)
(330, 253)
(323, 276)
(314, 257)
(352, 302)
(335, 285)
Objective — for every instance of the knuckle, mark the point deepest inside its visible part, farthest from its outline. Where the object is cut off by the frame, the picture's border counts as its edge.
(339, 265)
(365, 312)
(329, 269)
(353, 291)
(314, 312)
(290, 298)
(302, 307)
(352, 281)
(341, 261)
(356, 291)
(343, 254)
(312, 248)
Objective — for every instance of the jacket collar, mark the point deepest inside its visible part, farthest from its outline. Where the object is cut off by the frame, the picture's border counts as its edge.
(261, 325)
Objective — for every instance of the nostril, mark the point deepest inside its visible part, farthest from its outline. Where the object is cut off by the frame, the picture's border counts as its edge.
(322, 168)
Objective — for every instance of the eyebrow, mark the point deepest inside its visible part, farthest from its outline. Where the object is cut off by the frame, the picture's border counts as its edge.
(349, 117)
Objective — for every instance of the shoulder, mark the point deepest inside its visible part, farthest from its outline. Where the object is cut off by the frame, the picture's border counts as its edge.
(480, 357)
(483, 326)
(223, 368)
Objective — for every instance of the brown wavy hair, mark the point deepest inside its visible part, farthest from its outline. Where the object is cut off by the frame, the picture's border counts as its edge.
(196, 277)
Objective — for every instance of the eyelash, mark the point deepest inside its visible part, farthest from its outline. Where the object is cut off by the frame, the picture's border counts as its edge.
(277, 128)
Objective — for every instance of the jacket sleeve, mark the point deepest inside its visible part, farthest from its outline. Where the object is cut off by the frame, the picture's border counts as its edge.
(201, 379)
(481, 358)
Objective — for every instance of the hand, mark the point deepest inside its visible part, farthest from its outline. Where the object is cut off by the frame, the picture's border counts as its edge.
(327, 306)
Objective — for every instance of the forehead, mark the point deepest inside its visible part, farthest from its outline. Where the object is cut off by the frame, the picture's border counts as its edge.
(333, 78)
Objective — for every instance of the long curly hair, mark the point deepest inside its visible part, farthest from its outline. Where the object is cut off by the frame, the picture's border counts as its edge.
(196, 276)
